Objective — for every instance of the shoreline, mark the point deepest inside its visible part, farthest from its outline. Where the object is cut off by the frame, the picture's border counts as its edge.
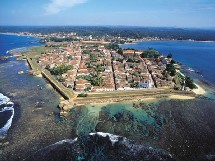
(106, 95)
(39, 130)
(139, 41)
(140, 99)
(134, 98)
(200, 90)
(16, 34)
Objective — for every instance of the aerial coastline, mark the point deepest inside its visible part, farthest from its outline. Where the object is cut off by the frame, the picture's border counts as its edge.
(97, 99)
(38, 71)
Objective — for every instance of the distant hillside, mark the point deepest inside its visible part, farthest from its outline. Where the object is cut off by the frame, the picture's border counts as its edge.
(132, 32)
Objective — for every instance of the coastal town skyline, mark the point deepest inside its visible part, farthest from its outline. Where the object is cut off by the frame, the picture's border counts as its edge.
(195, 13)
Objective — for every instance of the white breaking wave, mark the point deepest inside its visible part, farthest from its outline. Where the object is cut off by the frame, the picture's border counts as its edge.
(3, 99)
(113, 138)
(9, 107)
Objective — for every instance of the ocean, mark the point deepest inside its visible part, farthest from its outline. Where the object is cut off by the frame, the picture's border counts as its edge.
(15, 89)
(185, 128)
(198, 56)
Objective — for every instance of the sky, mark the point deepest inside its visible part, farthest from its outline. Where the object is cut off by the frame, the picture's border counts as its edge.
(151, 13)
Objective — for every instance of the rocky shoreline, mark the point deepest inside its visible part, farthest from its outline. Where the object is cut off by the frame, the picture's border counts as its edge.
(99, 146)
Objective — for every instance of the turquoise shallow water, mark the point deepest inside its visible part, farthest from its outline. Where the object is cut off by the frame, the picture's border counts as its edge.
(185, 128)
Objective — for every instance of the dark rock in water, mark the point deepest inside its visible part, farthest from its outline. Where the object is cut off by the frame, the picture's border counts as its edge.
(39, 104)
(99, 146)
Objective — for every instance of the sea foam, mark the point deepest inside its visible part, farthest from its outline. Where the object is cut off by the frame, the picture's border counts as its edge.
(7, 106)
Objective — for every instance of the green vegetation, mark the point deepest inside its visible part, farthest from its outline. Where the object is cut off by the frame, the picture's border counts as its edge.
(134, 84)
(189, 83)
(179, 81)
(120, 51)
(70, 57)
(57, 45)
(121, 42)
(112, 46)
(60, 78)
(171, 69)
(173, 61)
(169, 55)
(86, 51)
(60, 69)
(94, 78)
(82, 95)
(151, 53)
(87, 89)
(55, 39)
(132, 60)
(93, 57)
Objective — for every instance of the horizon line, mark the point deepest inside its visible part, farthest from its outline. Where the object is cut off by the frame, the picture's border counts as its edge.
(129, 26)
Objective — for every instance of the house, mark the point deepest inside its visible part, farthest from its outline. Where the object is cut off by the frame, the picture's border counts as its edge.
(145, 83)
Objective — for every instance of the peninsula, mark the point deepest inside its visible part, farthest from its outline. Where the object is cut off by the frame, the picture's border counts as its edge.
(94, 70)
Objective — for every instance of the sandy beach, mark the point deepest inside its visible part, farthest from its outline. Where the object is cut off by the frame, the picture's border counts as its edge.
(199, 90)
(181, 97)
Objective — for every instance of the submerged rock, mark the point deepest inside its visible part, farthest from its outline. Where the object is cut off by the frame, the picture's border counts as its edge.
(99, 146)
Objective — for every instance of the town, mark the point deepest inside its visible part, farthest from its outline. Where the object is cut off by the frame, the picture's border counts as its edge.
(92, 66)
(99, 68)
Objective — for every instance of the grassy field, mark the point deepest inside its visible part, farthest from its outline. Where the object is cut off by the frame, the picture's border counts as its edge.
(130, 95)
(34, 52)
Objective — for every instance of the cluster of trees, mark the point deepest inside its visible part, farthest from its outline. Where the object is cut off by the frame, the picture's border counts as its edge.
(189, 83)
(95, 77)
(82, 95)
(56, 39)
(59, 70)
(112, 46)
(132, 60)
(56, 45)
(93, 57)
(151, 53)
(120, 51)
(170, 68)
(86, 51)
(131, 32)
(134, 84)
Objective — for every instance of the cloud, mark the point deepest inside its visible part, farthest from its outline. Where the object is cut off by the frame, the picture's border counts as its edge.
(56, 6)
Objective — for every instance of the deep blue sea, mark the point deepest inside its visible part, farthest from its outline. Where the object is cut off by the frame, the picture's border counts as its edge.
(9, 41)
(200, 56)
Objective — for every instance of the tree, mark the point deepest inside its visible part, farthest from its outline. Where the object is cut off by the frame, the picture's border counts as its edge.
(169, 55)
(88, 88)
(60, 69)
(171, 69)
(150, 54)
(173, 61)
(86, 52)
(189, 83)
(112, 46)
(120, 51)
